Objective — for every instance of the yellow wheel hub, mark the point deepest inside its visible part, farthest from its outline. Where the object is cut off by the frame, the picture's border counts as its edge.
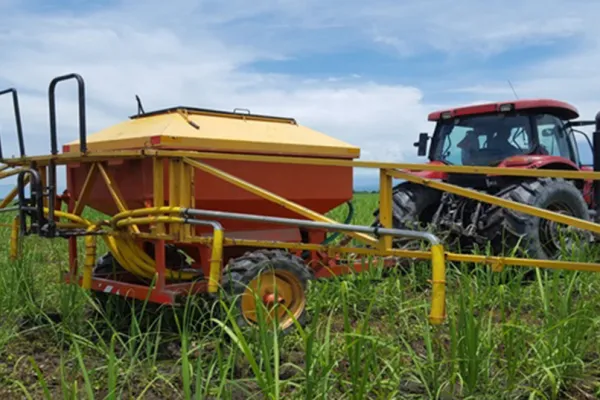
(280, 292)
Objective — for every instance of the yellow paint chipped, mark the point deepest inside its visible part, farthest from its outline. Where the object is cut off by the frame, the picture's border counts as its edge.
(217, 132)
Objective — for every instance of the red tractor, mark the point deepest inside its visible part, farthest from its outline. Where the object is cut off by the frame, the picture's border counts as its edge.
(537, 134)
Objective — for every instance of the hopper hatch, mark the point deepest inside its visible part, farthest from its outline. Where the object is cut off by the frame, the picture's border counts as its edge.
(188, 128)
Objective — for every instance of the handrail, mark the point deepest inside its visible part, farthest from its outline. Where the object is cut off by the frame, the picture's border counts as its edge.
(54, 139)
(17, 112)
(82, 118)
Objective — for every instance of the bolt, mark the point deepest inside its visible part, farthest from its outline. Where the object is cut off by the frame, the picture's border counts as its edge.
(269, 299)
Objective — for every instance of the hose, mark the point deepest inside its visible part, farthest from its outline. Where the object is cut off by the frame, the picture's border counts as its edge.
(124, 249)
(347, 221)
(335, 235)
(130, 256)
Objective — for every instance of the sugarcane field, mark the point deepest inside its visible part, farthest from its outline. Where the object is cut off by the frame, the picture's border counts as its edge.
(275, 202)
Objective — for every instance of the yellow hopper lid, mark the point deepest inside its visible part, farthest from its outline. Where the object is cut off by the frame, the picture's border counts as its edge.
(185, 128)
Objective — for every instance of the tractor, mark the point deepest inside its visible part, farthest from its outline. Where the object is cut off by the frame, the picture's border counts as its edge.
(534, 134)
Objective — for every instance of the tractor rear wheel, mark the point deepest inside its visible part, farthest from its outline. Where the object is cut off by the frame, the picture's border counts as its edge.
(532, 236)
(275, 278)
(413, 207)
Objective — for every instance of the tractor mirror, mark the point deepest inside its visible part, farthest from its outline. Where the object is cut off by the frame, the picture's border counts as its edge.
(421, 145)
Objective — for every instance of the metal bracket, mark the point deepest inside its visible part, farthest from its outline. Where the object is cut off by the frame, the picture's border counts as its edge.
(32, 207)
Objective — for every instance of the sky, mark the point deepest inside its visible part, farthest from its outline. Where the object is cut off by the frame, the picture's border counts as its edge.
(367, 73)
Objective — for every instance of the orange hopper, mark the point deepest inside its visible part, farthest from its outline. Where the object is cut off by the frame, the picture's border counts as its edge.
(320, 188)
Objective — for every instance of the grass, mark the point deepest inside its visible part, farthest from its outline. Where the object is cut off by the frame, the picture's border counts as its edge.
(368, 338)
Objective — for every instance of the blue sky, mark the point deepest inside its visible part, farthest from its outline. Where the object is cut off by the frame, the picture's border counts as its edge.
(365, 72)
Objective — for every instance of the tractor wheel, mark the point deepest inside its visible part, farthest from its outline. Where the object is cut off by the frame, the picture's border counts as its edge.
(277, 278)
(535, 237)
(413, 208)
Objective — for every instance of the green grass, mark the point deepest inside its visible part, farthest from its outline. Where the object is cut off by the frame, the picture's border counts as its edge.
(369, 338)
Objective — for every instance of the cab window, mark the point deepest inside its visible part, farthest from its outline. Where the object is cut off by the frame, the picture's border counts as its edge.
(553, 137)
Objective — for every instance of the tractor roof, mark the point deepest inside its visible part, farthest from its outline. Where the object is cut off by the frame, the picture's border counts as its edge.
(213, 130)
(561, 109)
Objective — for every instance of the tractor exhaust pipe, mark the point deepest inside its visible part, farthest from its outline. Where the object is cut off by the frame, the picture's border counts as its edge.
(596, 183)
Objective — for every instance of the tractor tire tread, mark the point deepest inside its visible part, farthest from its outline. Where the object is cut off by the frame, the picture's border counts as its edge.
(408, 201)
(504, 228)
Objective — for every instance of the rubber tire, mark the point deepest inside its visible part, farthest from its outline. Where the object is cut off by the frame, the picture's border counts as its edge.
(409, 202)
(241, 271)
(107, 263)
(504, 227)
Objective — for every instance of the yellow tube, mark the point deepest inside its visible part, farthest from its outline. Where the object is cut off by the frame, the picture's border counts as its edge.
(90, 259)
(14, 239)
(438, 297)
(215, 261)
(145, 212)
(117, 250)
(148, 221)
(72, 217)
(125, 250)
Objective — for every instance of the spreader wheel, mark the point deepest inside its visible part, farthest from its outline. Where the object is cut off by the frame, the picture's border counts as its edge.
(278, 280)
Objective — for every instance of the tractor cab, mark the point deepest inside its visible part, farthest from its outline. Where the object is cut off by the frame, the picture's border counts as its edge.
(498, 134)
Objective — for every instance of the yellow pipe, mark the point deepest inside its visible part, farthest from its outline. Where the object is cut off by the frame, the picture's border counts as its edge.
(490, 199)
(418, 254)
(66, 158)
(216, 260)
(438, 295)
(158, 190)
(127, 253)
(385, 207)
(14, 239)
(185, 199)
(72, 217)
(11, 173)
(115, 193)
(96, 156)
(126, 256)
(149, 220)
(120, 250)
(85, 190)
(498, 171)
(13, 193)
(175, 177)
(146, 211)
(523, 262)
(274, 198)
(90, 259)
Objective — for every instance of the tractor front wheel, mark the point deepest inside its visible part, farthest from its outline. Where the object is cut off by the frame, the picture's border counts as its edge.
(532, 236)
(269, 281)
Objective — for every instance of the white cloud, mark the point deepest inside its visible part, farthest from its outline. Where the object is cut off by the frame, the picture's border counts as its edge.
(195, 53)
(166, 68)
(463, 26)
